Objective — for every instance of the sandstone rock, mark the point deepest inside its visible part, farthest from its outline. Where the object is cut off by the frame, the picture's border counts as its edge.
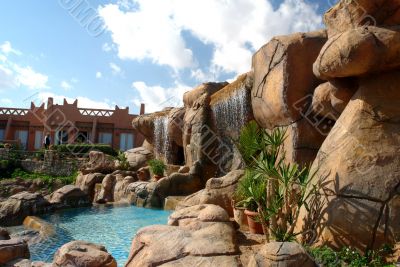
(98, 163)
(200, 143)
(69, 196)
(283, 78)
(145, 124)
(208, 243)
(203, 213)
(172, 202)
(346, 15)
(331, 98)
(138, 157)
(83, 254)
(184, 169)
(13, 249)
(107, 189)
(285, 254)
(359, 52)
(87, 182)
(121, 192)
(358, 164)
(218, 191)
(45, 229)
(17, 207)
(27, 263)
(175, 125)
(144, 174)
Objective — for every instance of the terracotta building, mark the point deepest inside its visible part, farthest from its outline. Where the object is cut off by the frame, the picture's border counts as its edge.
(68, 123)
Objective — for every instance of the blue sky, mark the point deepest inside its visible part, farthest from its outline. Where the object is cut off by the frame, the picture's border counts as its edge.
(130, 51)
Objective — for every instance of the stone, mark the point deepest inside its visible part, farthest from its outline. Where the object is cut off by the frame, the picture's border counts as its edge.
(29, 236)
(359, 52)
(14, 210)
(138, 157)
(144, 124)
(358, 166)
(13, 249)
(69, 196)
(285, 254)
(143, 174)
(98, 163)
(175, 125)
(283, 78)
(331, 98)
(218, 191)
(44, 228)
(204, 213)
(203, 243)
(87, 182)
(200, 142)
(121, 192)
(107, 189)
(4, 234)
(83, 254)
(347, 15)
(172, 202)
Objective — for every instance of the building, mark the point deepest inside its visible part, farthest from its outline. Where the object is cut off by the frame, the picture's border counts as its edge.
(67, 123)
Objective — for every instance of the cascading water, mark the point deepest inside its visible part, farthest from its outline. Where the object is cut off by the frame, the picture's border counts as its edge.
(161, 138)
(232, 113)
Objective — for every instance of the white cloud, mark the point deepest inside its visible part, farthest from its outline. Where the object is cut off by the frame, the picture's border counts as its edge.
(147, 33)
(115, 68)
(153, 29)
(7, 49)
(99, 75)
(156, 97)
(26, 76)
(83, 102)
(108, 47)
(66, 86)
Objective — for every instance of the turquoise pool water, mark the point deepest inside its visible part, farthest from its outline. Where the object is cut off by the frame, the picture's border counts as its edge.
(113, 227)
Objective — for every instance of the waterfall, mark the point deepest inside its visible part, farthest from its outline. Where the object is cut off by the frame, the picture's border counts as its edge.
(231, 113)
(161, 138)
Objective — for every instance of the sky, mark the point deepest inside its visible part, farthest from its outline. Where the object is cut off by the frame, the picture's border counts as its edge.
(127, 52)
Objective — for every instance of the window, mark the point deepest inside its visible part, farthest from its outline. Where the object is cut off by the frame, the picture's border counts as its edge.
(22, 137)
(105, 138)
(38, 140)
(2, 132)
(61, 137)
(82, 137)
(126, 141)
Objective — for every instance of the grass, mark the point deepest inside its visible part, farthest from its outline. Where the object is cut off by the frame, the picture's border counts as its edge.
(47, 179)
(327, 257)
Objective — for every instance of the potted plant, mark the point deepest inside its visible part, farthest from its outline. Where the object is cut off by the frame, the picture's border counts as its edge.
(250, 191)
(157, 168)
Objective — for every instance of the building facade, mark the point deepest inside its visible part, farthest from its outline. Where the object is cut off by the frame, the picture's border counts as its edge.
(68, 124)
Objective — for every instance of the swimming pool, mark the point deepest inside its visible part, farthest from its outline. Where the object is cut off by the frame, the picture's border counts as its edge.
(113, 227)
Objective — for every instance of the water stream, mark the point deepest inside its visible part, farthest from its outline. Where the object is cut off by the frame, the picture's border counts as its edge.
(161, 138)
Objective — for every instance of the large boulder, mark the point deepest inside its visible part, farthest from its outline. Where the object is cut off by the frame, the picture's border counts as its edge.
(138, 157)
(106, 193)
(14, 210)
(98, 163)
(358, 165)
(331, 98)
(87, 182)
(200, 142)
(283, 78)
(13, 249)
(175, 125)
(284, 254)
(359, 52)
(198, 236)
(218, 191)
(83, 254)
(347, 15)
(69, 196)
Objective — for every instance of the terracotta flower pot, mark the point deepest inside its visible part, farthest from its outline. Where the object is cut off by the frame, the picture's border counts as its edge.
(254, 226)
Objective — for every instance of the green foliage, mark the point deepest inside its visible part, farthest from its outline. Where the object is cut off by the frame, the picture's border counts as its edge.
(157, 167)
(85, 148)
(47, 179)
(350, 257)
(123, 161)
(250, 191)
(277, 189)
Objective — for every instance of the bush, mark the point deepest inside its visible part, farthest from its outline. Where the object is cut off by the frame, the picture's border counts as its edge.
(85, 148)
(123, 161)
(350, 257)
(48, 179)
(7, 167)
(157, 167)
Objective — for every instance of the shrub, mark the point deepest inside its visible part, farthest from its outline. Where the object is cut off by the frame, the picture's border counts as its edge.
(123, 161)
(157, 167)
(7, 167)
(85, 148)
(48, 179)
